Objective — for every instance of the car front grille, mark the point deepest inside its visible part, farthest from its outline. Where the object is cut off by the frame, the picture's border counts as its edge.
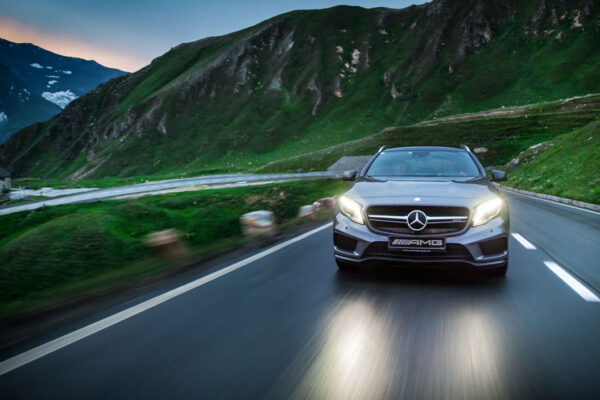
(452, 252)
(440, 219)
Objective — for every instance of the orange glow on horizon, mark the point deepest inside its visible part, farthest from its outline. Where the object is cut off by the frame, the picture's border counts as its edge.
(69, 46)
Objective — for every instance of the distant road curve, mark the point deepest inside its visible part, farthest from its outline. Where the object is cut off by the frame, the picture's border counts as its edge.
(109, 193)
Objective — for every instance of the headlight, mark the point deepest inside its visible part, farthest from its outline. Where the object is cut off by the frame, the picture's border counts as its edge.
(485, 212)
(351, 209)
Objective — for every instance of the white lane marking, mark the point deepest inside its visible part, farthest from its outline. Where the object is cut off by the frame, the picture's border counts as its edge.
(63, 341)
(577, 286)
(526, 243)
(554, 202)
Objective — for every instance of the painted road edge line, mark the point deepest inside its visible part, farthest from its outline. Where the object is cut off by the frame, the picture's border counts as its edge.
(526, 243)
(79, 334)
(577, 286)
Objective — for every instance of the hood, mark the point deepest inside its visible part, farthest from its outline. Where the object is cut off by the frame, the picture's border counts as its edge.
(445, 192)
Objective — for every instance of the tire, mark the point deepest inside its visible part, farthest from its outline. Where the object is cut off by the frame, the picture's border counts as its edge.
(500, 271)
(346, 266)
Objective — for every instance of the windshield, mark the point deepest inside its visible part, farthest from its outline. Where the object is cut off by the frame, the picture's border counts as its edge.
(423, 163)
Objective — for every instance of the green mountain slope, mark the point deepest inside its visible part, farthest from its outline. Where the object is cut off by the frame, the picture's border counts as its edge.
(496, 136)
(307, 80)
(567, 166)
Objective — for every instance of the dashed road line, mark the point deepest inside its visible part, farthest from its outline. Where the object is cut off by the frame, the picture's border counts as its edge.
(573, 283)
(526, 243)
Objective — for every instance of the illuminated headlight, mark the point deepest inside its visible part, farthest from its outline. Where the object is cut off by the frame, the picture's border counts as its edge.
(351, 209)
(485, 212)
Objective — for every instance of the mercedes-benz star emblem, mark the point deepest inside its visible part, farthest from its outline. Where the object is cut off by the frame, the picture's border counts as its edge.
(416, 220)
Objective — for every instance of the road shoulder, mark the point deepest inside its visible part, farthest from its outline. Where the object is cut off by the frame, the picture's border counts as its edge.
(556, 199)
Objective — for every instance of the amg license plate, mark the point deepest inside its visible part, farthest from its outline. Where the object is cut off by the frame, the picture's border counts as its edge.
(417, 243)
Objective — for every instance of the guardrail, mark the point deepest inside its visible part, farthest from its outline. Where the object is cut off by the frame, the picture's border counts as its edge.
(556, 199)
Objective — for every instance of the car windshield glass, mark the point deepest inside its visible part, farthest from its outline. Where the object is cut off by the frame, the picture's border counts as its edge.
(429, 163)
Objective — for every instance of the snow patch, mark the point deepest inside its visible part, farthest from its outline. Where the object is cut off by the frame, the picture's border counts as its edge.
(49, 67)
(52, 82)
(339, 49)
(53, 76)
(35, 65)
(3, 116)
(61, 98)
(67, 72)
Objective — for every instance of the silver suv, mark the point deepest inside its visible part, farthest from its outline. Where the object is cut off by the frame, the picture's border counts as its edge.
(429, 205)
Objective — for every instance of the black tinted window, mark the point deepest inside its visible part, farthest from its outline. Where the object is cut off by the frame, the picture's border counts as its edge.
(424, 163)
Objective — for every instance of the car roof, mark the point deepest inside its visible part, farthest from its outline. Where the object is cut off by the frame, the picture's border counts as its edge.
(417, 148)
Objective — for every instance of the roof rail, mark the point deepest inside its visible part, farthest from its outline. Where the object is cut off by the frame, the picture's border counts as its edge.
(382, 148)
(465, 147)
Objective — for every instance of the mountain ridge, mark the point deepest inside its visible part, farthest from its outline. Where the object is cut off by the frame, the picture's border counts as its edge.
(308, 79)
(36, 84)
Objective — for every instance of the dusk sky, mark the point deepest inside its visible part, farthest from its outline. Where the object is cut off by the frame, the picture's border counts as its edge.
(129, 34)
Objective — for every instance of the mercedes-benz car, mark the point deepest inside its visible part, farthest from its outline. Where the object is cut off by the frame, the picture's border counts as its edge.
(426, 205)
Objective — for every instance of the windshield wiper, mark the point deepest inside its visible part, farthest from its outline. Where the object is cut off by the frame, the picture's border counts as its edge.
(476, 178)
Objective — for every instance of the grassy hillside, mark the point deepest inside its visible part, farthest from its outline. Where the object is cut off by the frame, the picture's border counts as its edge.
(503, 133)
(63, 250)
(567, 166)
(308, 80)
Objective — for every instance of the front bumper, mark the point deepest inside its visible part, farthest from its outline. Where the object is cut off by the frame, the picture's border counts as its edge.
(479, 247)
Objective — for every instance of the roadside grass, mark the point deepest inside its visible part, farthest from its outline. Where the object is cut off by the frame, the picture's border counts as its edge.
(569, 167)
(65, 251)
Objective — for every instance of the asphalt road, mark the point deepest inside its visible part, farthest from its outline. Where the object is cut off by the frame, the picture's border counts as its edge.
(285, 323)
(120, 191)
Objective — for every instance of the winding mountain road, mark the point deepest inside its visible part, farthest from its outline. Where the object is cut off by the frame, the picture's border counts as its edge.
(159, 186)
(285, 323)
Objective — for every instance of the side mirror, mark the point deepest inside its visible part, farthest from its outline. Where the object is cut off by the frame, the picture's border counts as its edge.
(498, 176)
(349, 175)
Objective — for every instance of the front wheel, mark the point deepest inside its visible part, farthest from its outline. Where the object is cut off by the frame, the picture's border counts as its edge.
(346, 266)
(499, 271)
